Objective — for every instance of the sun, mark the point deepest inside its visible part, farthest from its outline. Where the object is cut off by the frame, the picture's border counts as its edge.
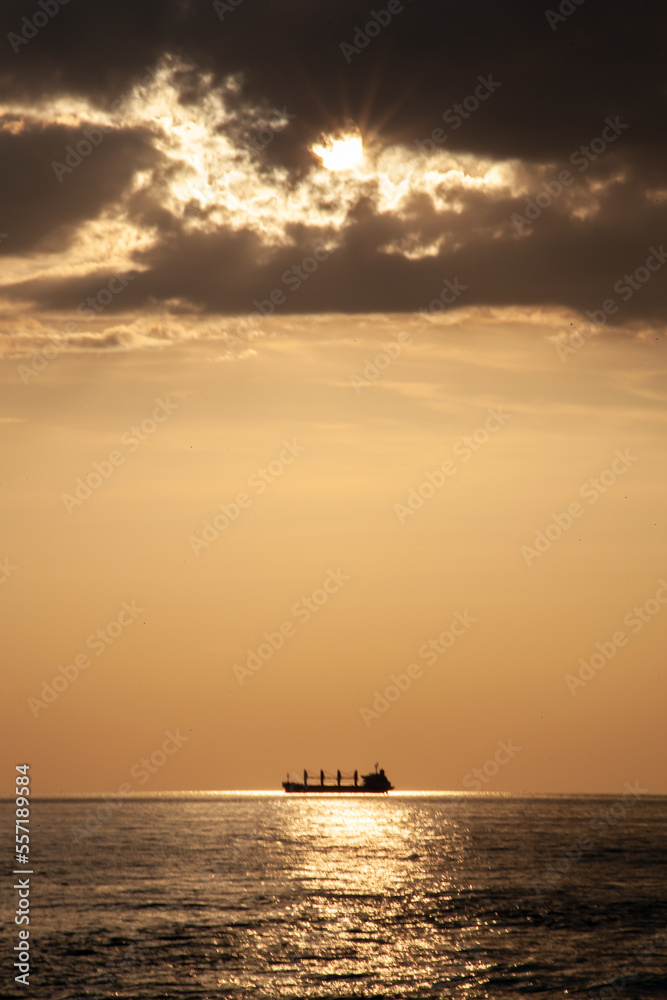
(344, 153)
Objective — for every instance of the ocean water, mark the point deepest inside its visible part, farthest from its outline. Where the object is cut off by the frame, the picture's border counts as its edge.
(274, 896)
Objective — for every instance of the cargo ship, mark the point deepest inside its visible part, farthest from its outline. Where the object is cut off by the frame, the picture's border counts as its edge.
(376, 781)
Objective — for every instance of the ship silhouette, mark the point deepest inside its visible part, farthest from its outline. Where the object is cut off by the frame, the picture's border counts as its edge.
(376, 781)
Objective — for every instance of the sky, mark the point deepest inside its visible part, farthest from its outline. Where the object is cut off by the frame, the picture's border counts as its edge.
(332, 353)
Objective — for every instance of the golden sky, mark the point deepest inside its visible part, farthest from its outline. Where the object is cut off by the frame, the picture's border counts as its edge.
(334, 506)
(333, 409)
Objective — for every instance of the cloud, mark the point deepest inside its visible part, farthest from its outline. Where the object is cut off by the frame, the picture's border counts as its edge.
(40, 212)
(205, 167)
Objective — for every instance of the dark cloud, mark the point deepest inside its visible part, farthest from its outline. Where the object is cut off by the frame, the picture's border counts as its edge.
(556, 89)
(558, 261)
(604, 58)
(47, 189)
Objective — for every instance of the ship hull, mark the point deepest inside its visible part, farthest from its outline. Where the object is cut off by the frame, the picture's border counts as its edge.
(291, 787)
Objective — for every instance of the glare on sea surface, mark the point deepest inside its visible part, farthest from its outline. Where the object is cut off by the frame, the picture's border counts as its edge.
(355, 844)
(353, 862)
(340, 154)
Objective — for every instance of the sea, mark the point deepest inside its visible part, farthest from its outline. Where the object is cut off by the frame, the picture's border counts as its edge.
(265, 895)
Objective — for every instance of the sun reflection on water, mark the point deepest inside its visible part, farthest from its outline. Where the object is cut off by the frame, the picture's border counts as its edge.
(362, 845)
